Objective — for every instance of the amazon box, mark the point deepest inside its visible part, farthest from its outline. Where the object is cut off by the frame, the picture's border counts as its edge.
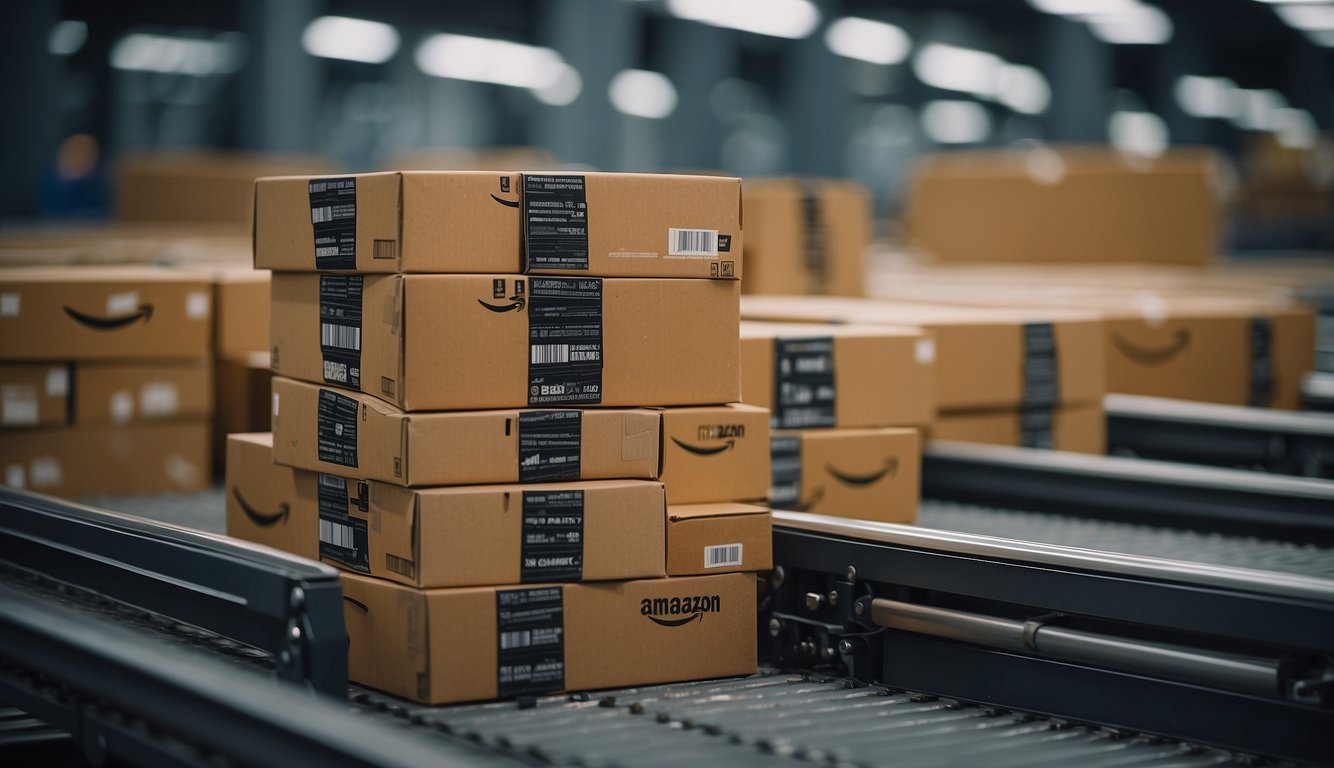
(34, 395)
(194, 186)
(474, 535)
(98, 460)
(123, 393)
(985, 358)
(441, 646)
(811, 375)
(241, 297)
(458, 342)
(868, 474)
(1081, 428)
(715, 453)
(332, 430)
(271, 504)
(104, 313)
(806, 236)
(243, 399)
(718, 538)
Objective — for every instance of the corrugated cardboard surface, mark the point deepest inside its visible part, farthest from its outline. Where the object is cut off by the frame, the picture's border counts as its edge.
(456, 447)
(195, 186)
(718, 538)
(86, 461)
(242, 397)
(715, 453)
(1079, 428)
(241, 299)
(868, 474)
(474, 535)
(781, 256)
(440, 646)
(429, 342)
(883, 376)
(123, 393)
(268, 503)
(104, 313)
(34, 395)
(1087, 205)
(979, 352)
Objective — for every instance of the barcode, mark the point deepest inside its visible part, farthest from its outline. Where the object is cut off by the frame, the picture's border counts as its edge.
(549, 353)
(400, 565)
(519, 638)
(337, 534)
(332, 481)
(321, 215)
(692, 242)
(340, 336)
(722, 555)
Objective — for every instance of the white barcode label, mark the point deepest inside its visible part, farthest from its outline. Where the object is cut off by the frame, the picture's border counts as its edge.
(692, 242)
(722, 555)
(321, 215)
(122, 303)
(340, 336)
(518, 638)
(336, 534)
(549, 353)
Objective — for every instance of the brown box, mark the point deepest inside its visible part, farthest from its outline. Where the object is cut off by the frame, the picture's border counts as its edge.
(985, 358)
(806, 236)
(243, 397)
(103, 313)
(34, 395)
(136, 458)
(449, 645)
(121, 393)
(1081, 428)
(812, 375)
(458, 447)
(195, 186)
(868, 474)
(428, 221)
(1072, 205)
(241, 301)
(268, 503)
(718, 538)
(476, 535)
(715, 453)
(452, 342)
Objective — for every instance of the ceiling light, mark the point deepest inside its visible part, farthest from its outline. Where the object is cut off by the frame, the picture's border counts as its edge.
(867, 40)
(642, 93)
(340, 37)
(793, 19)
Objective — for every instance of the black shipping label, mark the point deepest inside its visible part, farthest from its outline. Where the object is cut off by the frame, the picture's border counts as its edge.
(555, 222)
(803, 383)
(336, 438)
(1041, 385)
(549, 445)
(342, 537)
(333, 215)
(553, 536)
(530, 641)
(564, 341)
(1035, 428)
(1262, 362)
(815, 257)
(785, 457)
(340, 329)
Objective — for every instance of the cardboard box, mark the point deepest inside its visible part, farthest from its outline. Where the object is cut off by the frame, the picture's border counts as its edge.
(200, 186)
(455, 342)
(868, 474)
(243, 399)
(718, 538)
(85, 461)
(241, 299)
(984, 358)
(476, 535)
(268, 503)
(449, 645)
(1068, 205)
(122, 393)
(811, 375)
(34, 395)
(104, 313)
(1080, 428)
(806, 236)
(715, 453)
(380, 442)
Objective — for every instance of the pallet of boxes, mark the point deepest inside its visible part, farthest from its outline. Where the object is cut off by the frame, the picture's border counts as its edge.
(506, 405)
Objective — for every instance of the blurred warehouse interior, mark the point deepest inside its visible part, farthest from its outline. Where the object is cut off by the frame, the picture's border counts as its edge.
(831, 88)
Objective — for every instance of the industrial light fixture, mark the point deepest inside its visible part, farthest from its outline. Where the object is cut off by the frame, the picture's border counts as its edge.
(872, 41)
(1308, 18)
(1023, 89)
(1200, 96)
(485, 60)
(348, 39)
(1138, 134)
(955, 122)
(67, 37)
(642, 93)
(792, 19)
(171, 54)
(984, 75)
(1120, 22)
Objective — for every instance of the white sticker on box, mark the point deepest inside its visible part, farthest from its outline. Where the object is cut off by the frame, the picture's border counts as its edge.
(196, 305)
(121, 406)
(925, 352)
(57, 381)
(18, 405)
(14, 476)
(46, 472)
(183, 472)
(692, 242)
(9, 304)
(159, 398)
(122, 303)
(275, 403)
(722, 555)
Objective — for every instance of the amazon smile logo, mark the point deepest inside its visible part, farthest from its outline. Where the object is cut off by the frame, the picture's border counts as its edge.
(890, 468)
(506, 203)
(679, 611)
(145, 313)
(261, 519)
(706, 451)
(1151, 356)
(516, 305)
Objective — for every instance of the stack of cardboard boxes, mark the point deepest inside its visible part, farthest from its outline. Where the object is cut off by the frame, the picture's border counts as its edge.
(485, 379)
(807, 236)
